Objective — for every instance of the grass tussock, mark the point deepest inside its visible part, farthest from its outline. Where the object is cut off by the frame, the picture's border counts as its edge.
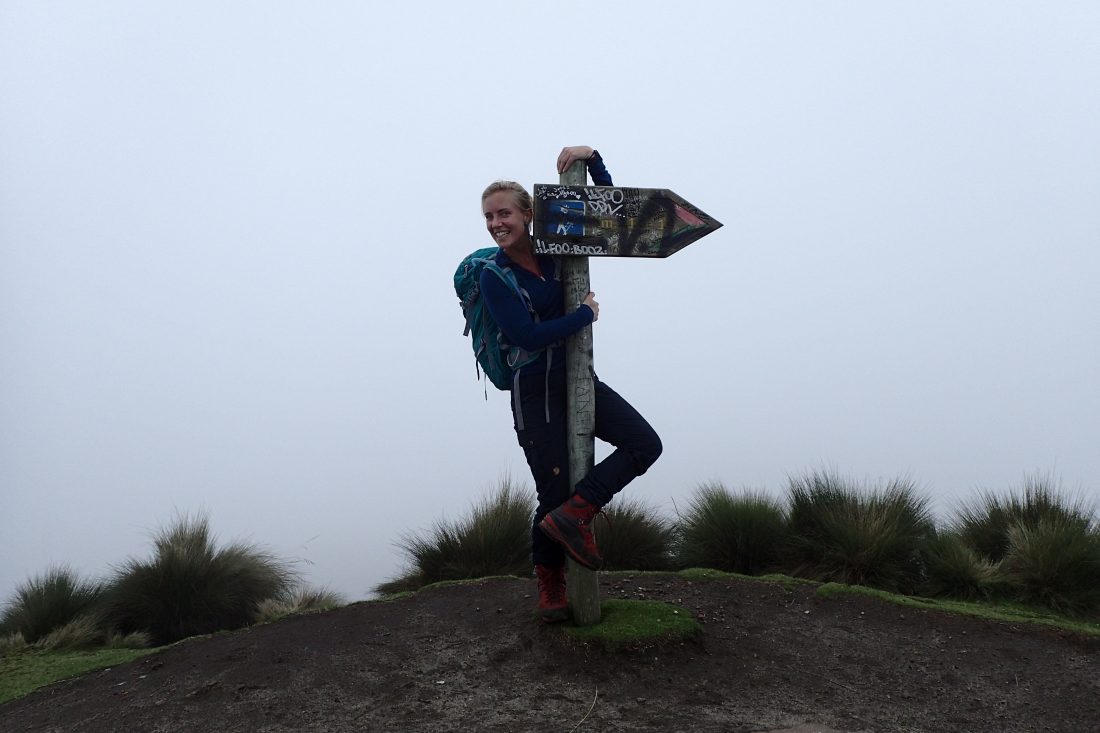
(733, 533)
(985, 524)
(954, 570)
(1056, 564)
(47, 602)
(845, 533)
(190, 586)
(494, 539)
(1043, 544)
(634, 537)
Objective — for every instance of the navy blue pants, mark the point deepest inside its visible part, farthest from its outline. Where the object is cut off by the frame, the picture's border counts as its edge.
(546, 445)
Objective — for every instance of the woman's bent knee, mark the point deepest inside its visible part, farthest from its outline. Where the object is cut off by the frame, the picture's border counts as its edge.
(647, 452)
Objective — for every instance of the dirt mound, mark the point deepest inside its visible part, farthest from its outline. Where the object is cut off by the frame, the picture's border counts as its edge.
(472, 657)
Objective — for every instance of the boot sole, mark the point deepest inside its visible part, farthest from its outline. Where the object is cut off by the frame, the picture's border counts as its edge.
(552, 531)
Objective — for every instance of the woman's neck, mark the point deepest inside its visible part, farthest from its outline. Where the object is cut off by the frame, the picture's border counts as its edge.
(523, 254)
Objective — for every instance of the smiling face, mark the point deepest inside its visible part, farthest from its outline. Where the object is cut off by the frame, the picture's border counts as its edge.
(506, 221)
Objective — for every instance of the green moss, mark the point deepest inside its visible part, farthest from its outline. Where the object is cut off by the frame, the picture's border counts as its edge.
(630, 624)
(1010, 613)
(785, 580)
(22, 673)
(703, 574)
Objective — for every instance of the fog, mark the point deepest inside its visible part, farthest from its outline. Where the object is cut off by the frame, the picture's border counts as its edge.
(227, 232)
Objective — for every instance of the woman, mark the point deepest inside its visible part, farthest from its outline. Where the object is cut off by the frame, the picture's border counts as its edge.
(563, 518)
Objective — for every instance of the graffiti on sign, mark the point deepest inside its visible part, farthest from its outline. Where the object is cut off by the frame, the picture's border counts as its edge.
(557, 247)
(614, 221)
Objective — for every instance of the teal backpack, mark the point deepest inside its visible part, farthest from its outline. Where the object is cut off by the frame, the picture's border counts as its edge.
(499, 360)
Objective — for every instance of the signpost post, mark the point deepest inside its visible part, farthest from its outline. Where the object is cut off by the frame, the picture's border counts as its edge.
(583, 587)
(574, 219)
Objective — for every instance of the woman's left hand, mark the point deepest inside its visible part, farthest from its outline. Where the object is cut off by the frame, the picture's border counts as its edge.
(569, 156)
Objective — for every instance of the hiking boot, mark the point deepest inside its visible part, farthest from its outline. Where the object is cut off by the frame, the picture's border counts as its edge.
(569, 525)
(553, 605)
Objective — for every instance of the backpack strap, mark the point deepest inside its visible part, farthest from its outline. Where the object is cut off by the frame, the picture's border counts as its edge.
(514, 355)
(549, 349)
(517, 404)
(546, 384)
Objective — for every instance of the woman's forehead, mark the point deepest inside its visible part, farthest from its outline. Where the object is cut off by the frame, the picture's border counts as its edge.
(499, 200)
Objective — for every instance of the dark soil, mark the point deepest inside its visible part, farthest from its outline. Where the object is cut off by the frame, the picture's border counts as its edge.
(472, 657)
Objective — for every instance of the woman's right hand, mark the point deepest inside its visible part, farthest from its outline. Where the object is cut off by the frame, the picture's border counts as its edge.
(569, 156)
(590, 301)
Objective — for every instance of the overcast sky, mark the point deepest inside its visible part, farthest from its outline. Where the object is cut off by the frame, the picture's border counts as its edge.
(228, 230)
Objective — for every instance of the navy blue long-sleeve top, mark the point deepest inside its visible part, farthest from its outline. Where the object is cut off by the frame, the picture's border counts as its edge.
(546, 295)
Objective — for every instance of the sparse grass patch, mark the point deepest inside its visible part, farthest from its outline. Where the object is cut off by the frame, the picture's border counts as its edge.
(133, 640)
(23, 673)
(12, 644)
(626, 624)
(301, 600)
(494, 540)
(740, 534)
(385, 598)
(846, 533)
(635, 537)
(400, 586)
(82, 632)
(191, 587)
(47, 602)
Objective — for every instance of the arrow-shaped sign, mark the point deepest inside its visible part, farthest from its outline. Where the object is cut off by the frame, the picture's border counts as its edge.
(609, 221)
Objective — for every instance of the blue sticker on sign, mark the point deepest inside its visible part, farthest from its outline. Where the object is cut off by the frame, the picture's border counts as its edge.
(566, 219)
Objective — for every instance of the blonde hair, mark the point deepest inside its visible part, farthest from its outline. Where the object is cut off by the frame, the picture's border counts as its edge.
(519, 193)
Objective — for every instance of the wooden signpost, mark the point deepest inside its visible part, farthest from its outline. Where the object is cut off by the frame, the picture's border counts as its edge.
(603, 221)
(610, 221)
